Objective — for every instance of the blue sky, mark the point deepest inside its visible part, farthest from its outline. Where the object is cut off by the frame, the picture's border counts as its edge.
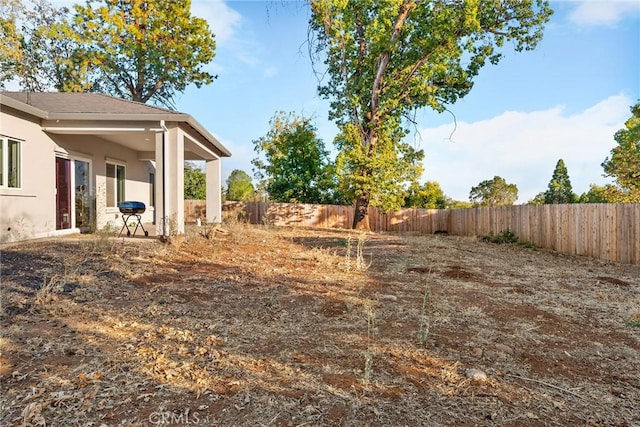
(564, 100)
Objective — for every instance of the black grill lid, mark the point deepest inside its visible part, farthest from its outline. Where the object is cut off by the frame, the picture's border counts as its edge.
(132, 207)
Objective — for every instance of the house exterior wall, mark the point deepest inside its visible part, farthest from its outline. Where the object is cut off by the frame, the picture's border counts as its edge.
(25, 212)
(141, 139)
(30, 211)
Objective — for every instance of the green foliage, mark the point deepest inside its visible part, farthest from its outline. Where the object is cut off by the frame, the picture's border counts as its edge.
(239, 186)
(39, 50)
(429, 196)
(559, 189)
(624, 162)
(386, 59)
(11, 53)
(601, 194)
(505, 236)
(381, 174)
(537, 200)
(494, 192)
(292, 163)
(139, 50)
(142, 50)
(458, 204)
(195, 182)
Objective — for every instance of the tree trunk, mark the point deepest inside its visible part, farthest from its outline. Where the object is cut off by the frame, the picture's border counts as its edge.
(361, 213)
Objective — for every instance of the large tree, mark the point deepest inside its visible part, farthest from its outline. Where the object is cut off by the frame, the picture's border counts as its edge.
(494, 192)
(559, 189)
(39, 52)
(387, 58)
(624, 162)
(390, 168)
(11, 53)
(239, 186)
(293, 164)
(143, 50)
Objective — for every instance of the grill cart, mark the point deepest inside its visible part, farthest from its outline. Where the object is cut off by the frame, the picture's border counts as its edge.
(132, 209)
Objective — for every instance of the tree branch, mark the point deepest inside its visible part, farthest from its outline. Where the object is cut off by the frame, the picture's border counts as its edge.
(405, 9)
(547, 384)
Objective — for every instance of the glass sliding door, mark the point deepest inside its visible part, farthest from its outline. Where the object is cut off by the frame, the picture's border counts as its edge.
(74, 201)
(82, 194)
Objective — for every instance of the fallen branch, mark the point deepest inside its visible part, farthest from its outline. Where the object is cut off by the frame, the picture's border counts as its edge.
(547, 384)
(210, 231)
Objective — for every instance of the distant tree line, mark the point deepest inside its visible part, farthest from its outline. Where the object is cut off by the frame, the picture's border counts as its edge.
(623, 164)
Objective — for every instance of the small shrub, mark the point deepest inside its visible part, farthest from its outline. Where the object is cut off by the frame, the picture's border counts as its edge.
(49, 287)
(208, 229)
(528, 245)
(370, 312)
(347, 255)
(505, 236)
(101, 241)
(360, 262)
(368, 367)
(361, 265)
(424, 322)
(634, 322)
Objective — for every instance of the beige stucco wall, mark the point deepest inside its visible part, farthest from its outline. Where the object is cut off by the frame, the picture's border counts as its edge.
(30, 211)
(25, 212)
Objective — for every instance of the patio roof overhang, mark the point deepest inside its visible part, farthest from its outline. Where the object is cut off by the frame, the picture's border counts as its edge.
(133, 130)
(139, 136)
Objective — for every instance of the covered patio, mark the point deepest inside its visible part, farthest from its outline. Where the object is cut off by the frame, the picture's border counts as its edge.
(100, 151)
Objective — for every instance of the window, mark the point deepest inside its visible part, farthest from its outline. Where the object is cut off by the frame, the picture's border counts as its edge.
(115, 184)
(152, 189)
(10, 163)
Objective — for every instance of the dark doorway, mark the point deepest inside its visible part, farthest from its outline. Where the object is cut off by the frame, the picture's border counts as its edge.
(63, 193)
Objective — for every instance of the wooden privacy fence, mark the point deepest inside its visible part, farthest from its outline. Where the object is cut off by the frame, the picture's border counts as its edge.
(605, 231)
(194, 209)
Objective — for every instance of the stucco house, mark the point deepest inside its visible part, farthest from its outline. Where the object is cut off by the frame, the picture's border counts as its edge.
(68, 159)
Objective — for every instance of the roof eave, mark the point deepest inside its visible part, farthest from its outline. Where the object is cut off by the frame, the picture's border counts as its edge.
(132, 117)
(205, 133)
(167, 117)
(21, 106)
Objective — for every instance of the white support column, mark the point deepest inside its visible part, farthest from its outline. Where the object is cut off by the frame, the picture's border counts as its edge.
(160, 186)
(170, 182)
(178, 190)
(214, 191)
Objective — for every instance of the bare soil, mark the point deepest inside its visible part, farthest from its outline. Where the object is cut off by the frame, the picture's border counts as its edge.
(288, 327)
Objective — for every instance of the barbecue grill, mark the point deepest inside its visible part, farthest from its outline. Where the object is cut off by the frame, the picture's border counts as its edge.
(132, 209)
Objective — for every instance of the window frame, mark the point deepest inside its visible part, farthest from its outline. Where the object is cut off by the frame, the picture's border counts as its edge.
(5, 162)
(152, 189)
(118, 184)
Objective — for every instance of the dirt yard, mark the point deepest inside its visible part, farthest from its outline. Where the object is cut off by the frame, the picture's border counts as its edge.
(287, 327)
